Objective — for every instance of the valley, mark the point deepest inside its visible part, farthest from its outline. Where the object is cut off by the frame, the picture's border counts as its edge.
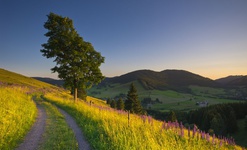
(181, 90)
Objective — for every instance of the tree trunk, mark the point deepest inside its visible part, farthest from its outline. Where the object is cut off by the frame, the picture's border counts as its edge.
(75, 94)
(75, 90)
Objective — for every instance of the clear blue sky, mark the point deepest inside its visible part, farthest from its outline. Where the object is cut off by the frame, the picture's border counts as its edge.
(205, 37)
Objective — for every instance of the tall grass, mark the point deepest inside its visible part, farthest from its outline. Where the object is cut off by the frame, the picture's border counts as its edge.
(106, 128)
(17, 114)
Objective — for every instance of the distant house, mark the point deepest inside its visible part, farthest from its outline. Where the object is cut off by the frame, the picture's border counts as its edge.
(202, 104)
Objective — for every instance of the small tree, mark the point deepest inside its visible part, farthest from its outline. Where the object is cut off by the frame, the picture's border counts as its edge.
(172, 116)
(132, 103)
(108, 101)
(77, 63)
(113, 104)
(120, 104)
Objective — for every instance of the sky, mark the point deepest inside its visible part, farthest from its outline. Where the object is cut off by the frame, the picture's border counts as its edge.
(208, 37)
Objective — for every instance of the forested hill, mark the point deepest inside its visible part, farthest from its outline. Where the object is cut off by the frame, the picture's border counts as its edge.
(233, 81)
(167, 79)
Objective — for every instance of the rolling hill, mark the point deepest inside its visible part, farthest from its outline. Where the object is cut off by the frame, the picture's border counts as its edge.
(167, 79)
(233, 80)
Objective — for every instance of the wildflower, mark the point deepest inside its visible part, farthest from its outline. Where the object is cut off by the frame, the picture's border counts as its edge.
(164, 125)
(194, 130)
(150, 120)
(208, 137)
(220, 143)
(203, 135)
(168, 125)
(143, 117)
(213, 139)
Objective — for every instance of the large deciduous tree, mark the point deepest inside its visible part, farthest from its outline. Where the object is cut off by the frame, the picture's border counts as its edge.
(77, 62)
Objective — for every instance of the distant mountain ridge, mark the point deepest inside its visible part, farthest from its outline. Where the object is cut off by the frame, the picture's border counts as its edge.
(50, 81)
(239, 80)
(167, 79)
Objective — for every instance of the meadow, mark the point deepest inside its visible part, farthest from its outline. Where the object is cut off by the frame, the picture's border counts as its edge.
(103, 127)
(170, 100)
(17, 115)
(106, 128)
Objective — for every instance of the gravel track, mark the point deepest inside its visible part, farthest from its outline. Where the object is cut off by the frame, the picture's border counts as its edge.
(34, 136)
(82, 143)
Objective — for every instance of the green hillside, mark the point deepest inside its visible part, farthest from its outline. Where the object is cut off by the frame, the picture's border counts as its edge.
(174, 89)
(11, 78)
(168, 79)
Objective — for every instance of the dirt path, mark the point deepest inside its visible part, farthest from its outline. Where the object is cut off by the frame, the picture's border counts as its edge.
(82, 144)
(34, 136)
(32, 139)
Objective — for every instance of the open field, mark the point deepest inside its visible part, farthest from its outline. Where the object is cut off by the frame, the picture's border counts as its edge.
(171, 100)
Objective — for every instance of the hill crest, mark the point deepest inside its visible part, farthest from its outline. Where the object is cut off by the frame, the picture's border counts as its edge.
(166, 79)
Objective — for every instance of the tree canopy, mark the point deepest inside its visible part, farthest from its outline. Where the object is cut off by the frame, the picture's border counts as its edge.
(77, 62)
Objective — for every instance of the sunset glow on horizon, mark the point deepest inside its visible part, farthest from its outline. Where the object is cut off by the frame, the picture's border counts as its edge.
(208, 38)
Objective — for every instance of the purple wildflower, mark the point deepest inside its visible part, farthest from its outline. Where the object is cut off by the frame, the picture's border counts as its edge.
(150, 120)
(208, 137)
(203, 134)
(213, 139)
(168, 125)
(194, 130)
(220, 143)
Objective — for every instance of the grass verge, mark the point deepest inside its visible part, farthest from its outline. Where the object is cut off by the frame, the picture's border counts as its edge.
(58, 135)
(106, 128)
(17, 115)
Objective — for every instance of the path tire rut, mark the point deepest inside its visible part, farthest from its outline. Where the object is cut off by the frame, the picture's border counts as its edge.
(82, 143)
(34, 136)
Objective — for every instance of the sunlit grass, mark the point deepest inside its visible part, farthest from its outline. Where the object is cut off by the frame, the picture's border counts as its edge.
(17, 115)
(11, 78)
(106, 128)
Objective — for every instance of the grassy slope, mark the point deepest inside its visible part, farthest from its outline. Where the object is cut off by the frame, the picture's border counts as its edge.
(106, 128)
(17, 114)
(12, 78)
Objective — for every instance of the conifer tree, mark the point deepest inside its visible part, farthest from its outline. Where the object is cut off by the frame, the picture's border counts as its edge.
(120, 104)
(108, 101)
(113, 104)
(172, 116)
(132, 103)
